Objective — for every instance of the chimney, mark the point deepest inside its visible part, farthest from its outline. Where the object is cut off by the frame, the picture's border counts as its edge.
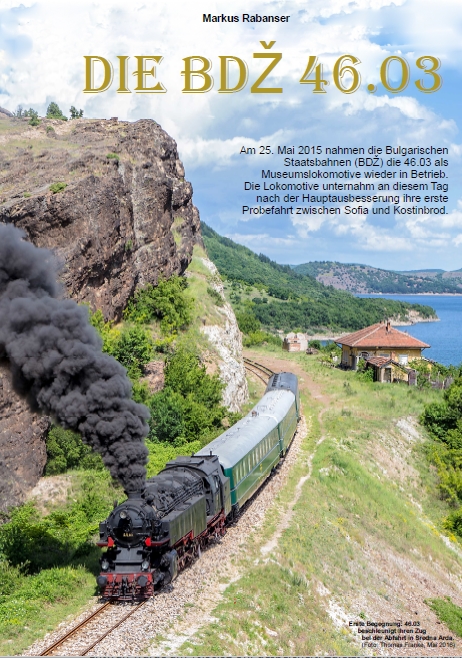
(388, 326)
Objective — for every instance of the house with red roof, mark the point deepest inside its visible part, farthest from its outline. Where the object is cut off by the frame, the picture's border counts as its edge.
(385, 348)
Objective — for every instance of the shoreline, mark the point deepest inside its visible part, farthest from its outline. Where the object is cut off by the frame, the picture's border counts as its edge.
(407, 294)
(397, 323)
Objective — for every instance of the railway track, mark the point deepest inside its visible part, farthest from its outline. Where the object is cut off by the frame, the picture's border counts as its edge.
(81, 639)
(258, 370)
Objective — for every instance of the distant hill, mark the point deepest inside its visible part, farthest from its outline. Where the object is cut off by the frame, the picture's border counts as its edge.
(366, 279)
(281, 298)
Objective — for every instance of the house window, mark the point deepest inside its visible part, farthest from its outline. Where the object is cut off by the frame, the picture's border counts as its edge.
(403, 359)
(364, 355)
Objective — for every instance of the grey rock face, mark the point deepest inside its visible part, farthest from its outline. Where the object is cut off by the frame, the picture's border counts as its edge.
(22, 446)
(112, 225)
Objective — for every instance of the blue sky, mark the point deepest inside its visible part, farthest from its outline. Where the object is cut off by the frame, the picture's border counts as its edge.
(42, 45)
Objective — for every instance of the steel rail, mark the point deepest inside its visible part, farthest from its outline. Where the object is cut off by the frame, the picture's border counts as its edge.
(118, 623)
(53, 646)
(254, 372)
(257, 369)
(49, 650)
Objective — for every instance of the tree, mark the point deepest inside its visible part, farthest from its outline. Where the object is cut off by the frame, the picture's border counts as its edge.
(75, 113)
(54, 112)
(33, 114)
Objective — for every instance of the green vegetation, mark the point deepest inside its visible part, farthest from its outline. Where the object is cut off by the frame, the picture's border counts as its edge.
(189, 407)
(165, 302)
(215, 295)
(48, 562)
(444, 422)
(297, 301)
(113, 156)
(54, 112)
(57, 187)
(363, 278)
(34, 120)
(75, 113)
(66, 450)
(448, 612)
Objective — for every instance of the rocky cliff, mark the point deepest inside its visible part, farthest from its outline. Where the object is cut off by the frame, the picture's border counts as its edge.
(22, 445)
(226, 338)
(105, 196)
(111, 200)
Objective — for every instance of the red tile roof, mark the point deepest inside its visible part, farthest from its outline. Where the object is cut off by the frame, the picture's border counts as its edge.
(378, 360)
(380, 335)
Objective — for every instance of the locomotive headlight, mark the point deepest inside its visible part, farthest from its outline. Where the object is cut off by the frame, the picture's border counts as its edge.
(145, 565)
(104, 565)
(123, 514)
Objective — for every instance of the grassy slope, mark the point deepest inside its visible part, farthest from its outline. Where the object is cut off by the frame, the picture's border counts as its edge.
(312, 305)
(357, 532)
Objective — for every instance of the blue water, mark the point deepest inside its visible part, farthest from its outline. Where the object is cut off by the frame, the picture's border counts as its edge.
(445, 337)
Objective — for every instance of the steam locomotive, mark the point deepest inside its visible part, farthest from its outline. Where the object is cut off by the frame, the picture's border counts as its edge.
(155, 533)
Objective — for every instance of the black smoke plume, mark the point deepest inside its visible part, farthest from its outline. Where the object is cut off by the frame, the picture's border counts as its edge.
(57, 364)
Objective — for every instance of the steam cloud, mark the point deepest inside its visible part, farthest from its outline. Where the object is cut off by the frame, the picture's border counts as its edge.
(57, 364)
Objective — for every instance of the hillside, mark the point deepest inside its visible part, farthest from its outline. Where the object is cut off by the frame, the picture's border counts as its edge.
(347, 532)
(283, 299)
(361, 279)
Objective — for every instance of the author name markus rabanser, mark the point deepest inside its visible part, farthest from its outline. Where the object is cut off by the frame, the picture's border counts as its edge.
(244, 18)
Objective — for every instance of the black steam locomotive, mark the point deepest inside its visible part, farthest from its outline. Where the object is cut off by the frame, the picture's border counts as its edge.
(157, 532)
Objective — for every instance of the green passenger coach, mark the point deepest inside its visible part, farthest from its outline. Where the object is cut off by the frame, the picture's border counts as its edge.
(250, 449)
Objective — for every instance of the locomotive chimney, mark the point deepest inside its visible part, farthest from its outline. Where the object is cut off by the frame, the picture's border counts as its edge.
(133, 495)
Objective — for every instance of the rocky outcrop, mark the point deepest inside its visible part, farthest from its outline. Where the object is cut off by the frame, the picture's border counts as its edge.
(123, 214)
(110, 199)
(22, 448)
(227, 340)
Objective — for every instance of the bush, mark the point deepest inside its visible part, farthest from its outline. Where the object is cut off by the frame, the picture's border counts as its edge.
(112, 156)
(189, 407)
(66, 450)
(134, 349)
(40, 542)
(215, 295)
(57, 187)
(184, 374)
(364, 373)
(316, 344)
(247, 323)
(108, 333)
(33, 114)
(444, 422)
(165, 302)
(260, 337)
(167, 417)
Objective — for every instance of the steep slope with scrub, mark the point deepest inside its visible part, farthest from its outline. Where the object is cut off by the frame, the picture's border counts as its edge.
(282, 299)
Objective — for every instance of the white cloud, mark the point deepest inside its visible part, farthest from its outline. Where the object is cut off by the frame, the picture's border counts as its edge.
(41, 57)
